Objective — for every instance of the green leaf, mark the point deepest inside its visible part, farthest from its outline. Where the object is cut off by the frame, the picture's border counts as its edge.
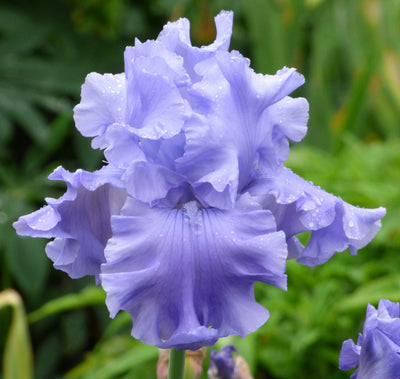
(383, 287)
(115, 357)
(88, 296)
(18, 359)
(27, 262)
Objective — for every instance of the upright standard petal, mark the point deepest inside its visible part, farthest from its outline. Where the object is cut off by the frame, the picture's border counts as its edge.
(299, 206)
(247, 119)
(103, 103)
(156, 108)
(186, 275)
(176, 37)
(79, 220)
(377, 353)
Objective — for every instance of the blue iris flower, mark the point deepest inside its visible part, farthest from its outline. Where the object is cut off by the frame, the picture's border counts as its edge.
(377, 352)
(194, 204)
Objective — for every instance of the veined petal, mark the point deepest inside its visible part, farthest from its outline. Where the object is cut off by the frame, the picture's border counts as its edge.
(248, 112)
(349, 355)
(79, 220)
(261, 90)
(377, 352)
(156, 108)
(216, 187)
(103, 102)
(186, 275)
(299, 206)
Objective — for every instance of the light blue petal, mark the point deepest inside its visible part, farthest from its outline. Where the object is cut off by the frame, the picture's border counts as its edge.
(377, 352)
(80, 221)
(176, 37)
(171, 64)
(155, 106)
(151, 182)
(103, 103)
(349, 355)
(186, 275)
(123, 146)
(245, 112)
(299, 206)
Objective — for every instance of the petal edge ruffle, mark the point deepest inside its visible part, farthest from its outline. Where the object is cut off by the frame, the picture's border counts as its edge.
(190, 272)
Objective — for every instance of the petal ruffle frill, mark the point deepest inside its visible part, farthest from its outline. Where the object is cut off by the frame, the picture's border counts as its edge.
(298, 206)
(176, 37)
(80, 221)
(103, 103)
(186, 275)
(244, 119)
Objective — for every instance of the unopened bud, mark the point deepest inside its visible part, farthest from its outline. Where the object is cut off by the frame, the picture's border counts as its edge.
(224, 366)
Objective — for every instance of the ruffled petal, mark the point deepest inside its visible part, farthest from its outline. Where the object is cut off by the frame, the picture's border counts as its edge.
(286, 119)
(171, 63)
(299, 206)
(258, 90)
(259, 117)
(247, 112)
(150, 182)
(380, 342)
(40, 223)
(223, 24)
(79, 220)
(352, 228)
(387, 309)
(289, 116)
(156, 108)
(176, 37)
(186, 275)
(380, 356)
(148, 165)
(211, 170)
(349, 355)
(103, 102)
(123, 146)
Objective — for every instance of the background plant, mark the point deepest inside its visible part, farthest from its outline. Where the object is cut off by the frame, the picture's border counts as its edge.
(349, 54)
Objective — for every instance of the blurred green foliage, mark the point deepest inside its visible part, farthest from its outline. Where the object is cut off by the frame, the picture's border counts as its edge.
(350, 56)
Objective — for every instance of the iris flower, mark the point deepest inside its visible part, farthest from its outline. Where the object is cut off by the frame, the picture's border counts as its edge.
(194, 203)
(377, 352)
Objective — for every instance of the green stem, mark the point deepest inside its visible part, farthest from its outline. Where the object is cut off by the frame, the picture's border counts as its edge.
(176, 364)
